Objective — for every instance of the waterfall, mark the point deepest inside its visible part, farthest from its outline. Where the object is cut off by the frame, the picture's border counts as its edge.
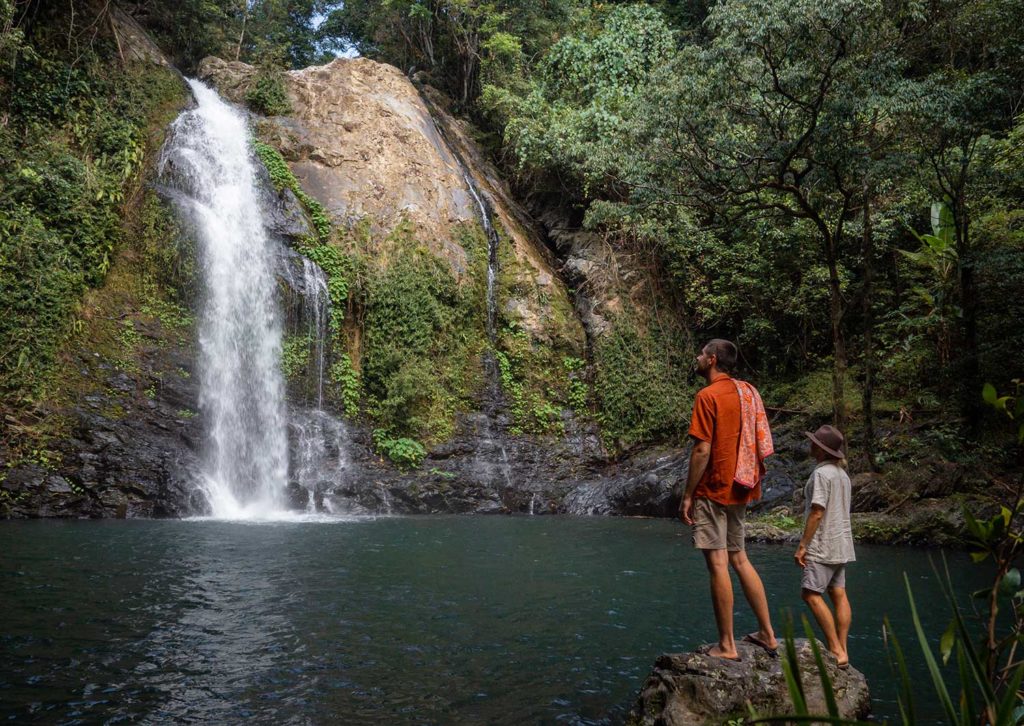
(318, 439)
(208, 166)
(492, 257)
(489, 444)
(318, 303)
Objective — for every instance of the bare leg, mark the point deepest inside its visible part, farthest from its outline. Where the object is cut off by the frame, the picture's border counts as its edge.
(753, 590)
(844, 615)
(721, 600)
(826, 622)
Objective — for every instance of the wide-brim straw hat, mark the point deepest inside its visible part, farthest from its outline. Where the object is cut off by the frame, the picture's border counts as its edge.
(830, 439)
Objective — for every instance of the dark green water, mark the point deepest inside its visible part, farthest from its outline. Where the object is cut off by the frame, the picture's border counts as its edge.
(396, 620)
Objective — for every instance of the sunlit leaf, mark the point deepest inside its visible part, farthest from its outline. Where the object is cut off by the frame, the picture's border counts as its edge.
(946, 642)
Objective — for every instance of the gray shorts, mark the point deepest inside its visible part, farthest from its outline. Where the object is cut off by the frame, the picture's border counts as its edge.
(718, 526)
(819, 576)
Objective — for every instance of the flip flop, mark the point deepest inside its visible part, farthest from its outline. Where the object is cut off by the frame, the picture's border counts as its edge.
(754, 640)
(706, 650)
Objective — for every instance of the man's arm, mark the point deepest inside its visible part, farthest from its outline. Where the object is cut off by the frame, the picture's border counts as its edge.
(810, 527)
(699, 457)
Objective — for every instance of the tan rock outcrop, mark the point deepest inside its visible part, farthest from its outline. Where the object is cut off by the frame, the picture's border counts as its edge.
(361, 140)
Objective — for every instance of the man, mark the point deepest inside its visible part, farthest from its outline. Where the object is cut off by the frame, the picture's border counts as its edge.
(714, 503)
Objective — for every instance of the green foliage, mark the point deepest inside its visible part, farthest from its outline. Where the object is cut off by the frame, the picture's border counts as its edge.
(1011, 405)
(267, 95)
(347, 383)
(171, 315)
(282, 178)
(535, 390)
(343, 272)
(278, 32)
(74, 140)
(295, 355)
(579, 391)
(424, 333)
(529, 402)
(640, 383)
(584, 90)
(780, 520)
(939, 260)
(406, 453)
(464, 44)
(130, 340)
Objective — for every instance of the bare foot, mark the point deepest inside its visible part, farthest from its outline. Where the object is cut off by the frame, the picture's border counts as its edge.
(768, 642)
(842, 659)
(716, 651)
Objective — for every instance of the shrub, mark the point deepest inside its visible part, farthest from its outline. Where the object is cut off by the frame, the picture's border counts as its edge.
(641, 384)
(267, 95)
(406, 453)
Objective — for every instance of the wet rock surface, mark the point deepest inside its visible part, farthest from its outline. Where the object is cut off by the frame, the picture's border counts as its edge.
(130, 448)
(693, 688)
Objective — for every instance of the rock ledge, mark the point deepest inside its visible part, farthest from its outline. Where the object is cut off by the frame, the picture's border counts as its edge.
(693, 688)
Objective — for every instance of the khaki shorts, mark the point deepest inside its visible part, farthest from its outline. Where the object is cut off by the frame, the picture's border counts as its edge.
(718, 526)
(819, 576)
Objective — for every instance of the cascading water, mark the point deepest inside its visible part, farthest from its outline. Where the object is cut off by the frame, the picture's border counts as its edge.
(315, 285)
(491, 364)
(208, 165)
(492, 258)
(318, 439)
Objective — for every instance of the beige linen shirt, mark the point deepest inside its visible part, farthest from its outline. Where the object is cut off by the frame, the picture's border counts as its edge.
(829, 487)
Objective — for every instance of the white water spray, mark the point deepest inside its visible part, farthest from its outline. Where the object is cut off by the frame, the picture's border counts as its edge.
(208, 163)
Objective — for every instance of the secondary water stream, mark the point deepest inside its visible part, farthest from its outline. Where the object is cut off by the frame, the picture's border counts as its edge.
(491, 453)
(397, 620)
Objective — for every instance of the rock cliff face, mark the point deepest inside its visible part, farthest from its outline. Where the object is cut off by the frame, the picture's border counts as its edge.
(380, 155)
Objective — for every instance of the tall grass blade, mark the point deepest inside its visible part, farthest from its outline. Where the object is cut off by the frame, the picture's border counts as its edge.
(905, 698)
(974, 659)
(926, 651)
(968, 708)
(826, 682)
(791, 671)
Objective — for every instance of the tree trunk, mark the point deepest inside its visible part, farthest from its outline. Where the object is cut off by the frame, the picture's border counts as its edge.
(971, 385)
(838, 344)
(867, 400)
(241, 35)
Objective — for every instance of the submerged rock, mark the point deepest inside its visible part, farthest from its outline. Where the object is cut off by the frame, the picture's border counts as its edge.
(694, 688)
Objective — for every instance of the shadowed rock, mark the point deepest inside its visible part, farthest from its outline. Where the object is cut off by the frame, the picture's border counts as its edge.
(693, 688)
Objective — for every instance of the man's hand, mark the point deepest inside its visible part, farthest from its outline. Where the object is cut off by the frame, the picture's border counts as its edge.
(699, 456)
(686, 510)
(801, 557)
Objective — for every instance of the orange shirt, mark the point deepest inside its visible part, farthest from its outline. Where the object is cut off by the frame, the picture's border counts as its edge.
(716, 419)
